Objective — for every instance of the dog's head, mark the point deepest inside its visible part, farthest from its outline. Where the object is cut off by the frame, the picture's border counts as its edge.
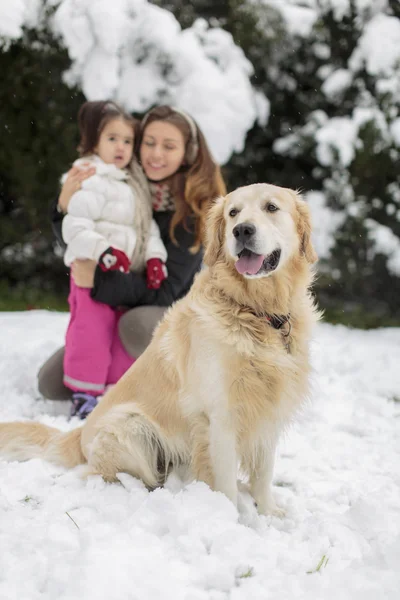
(258, 228)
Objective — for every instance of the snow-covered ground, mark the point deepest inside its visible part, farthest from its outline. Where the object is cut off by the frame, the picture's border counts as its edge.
(337, 476)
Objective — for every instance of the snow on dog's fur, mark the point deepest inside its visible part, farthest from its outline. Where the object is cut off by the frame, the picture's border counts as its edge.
(220, 380)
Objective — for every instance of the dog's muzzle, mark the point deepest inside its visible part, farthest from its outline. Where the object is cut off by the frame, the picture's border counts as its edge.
(250, 262)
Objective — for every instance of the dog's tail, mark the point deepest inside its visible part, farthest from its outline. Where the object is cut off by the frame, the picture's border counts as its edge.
(22, 441)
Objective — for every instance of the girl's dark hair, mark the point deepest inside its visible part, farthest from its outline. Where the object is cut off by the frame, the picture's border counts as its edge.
(199, 180)
(93, 117)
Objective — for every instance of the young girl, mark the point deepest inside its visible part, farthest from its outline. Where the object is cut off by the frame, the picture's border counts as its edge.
(108, 221)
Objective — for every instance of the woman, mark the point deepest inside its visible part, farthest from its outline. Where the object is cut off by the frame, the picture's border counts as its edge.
(183, 179)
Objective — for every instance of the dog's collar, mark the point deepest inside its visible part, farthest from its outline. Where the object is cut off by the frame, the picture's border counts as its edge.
(278, 322)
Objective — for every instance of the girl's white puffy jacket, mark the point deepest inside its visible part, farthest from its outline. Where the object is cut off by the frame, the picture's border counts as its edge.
(102, 214)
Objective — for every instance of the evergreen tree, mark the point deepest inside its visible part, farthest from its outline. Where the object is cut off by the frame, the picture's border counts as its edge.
(348, 136)
(38, 119)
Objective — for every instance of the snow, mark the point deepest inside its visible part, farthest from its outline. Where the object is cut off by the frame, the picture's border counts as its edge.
(137, 54)
(298, 17)
(342, 8)
(337, 476)
(395, 131)
(336, 83)
(325, 223)
(301, 15)
(15, 14)
(385, 242)
(338, 139)
(378, 47)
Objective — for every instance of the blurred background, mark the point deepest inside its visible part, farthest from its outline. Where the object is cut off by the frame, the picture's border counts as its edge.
(299, 93)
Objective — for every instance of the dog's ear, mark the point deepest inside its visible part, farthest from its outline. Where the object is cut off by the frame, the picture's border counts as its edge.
(304, 229)
(214, 232)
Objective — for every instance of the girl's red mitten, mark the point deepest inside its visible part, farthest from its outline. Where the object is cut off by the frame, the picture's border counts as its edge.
(113, 259)
(156, 273)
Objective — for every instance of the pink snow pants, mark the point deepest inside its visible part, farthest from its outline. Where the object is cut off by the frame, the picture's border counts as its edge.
(94, 355)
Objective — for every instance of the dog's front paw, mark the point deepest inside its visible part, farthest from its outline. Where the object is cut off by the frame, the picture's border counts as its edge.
(271, 509)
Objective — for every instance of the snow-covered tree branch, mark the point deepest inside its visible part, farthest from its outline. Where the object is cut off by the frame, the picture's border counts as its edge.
(137, 54)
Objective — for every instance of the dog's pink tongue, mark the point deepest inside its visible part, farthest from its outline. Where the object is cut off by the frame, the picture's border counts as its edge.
(249, 264)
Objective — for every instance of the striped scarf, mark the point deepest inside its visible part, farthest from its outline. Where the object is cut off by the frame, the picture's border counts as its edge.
(161, 196)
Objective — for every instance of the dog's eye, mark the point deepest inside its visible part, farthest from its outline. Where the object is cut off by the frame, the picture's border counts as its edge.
(233, 212)
(271, 207)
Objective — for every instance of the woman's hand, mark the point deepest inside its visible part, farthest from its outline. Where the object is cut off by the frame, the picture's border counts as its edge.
(73, 183)
(83, 272)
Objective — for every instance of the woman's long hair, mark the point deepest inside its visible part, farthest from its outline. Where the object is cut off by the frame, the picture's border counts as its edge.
(198, 182)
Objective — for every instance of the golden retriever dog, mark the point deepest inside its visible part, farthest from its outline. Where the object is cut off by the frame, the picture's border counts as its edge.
(227, 367)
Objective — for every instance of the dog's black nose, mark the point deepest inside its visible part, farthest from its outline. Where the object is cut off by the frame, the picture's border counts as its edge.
(243, 232)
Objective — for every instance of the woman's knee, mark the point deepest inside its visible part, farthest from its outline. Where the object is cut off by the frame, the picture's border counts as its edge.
(50, 378)
(136, 327)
